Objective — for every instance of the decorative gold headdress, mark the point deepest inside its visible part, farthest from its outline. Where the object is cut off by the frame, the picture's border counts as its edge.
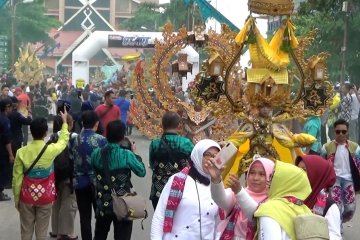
(271, 7)
(28, 67)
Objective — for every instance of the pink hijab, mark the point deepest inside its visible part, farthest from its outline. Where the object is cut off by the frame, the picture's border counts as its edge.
(242, 221)
(269, 168)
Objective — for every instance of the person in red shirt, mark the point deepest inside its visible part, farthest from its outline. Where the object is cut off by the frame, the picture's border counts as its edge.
(23, 108)
(107, 112)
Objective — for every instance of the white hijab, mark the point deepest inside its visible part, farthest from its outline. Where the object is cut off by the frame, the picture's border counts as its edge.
(198, 152)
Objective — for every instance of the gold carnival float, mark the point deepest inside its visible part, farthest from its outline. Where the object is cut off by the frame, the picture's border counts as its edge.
(28, 67)
(248, 107)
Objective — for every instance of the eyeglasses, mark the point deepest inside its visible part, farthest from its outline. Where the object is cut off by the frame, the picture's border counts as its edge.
(343, 132)
(209, 155)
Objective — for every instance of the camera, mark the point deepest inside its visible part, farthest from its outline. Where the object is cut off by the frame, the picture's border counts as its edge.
(61, 105)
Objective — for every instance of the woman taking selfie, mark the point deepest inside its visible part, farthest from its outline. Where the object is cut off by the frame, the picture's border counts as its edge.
(185, 210)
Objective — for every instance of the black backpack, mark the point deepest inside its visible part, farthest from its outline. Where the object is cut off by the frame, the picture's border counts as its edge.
(63, 163)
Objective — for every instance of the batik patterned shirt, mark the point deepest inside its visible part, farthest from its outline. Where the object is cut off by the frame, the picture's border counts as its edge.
(345, 108)
(89, 141)
(167, 161)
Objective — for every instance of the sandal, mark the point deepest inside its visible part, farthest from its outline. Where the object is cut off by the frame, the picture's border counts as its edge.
(52, 235)
(65, 237)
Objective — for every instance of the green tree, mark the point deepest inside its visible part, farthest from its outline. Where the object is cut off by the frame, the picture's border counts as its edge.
(146, 18)
(152, 17)
(177, 13)
(328, 18)
(32, 25)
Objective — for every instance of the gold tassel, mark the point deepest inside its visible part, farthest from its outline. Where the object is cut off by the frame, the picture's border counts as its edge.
(242, 35)
(291, 30)
(277, 39)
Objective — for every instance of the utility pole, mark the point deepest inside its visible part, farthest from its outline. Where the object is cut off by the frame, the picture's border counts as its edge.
(13, 26)
(193, 17)
(345, 9)
(13, 8)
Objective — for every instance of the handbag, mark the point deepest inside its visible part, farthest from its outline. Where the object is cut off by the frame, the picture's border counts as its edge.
(311, 227)
(37, 190)
(130, 206)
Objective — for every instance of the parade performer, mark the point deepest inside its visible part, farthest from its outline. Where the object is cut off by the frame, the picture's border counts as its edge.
(278, 86)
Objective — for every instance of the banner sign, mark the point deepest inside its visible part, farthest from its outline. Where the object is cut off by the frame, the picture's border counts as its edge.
(130, 41)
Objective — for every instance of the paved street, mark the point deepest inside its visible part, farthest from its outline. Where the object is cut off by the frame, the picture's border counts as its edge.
(10, 226)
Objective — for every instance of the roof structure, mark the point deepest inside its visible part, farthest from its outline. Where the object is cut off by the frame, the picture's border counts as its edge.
(68, 37)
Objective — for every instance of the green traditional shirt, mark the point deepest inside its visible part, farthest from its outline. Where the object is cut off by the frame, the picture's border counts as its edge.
(121, 162)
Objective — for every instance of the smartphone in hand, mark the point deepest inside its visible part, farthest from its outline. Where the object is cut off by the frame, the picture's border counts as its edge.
(228, 152)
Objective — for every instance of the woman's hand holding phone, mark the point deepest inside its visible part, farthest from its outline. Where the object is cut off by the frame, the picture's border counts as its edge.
(214, 172)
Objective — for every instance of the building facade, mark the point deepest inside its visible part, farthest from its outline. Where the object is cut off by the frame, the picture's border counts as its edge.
(80, 18)
(114, 11)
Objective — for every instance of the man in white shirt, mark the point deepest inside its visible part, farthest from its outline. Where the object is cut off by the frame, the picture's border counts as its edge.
(354, 122)
(345, 156)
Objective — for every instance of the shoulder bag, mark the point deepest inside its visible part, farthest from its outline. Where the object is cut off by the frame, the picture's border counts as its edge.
(311, 227)
(38, 190)
(130, 206)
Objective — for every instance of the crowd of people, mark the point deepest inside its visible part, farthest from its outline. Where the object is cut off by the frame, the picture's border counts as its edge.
(54, 177)
(63, 173)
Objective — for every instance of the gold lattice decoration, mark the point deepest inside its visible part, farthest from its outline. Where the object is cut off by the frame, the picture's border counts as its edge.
(28, 67)
(153, 104)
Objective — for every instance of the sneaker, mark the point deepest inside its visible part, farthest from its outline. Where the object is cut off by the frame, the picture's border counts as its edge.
(52, 235)
(4, 197)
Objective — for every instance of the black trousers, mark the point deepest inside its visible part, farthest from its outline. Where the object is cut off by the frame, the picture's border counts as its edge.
(129, 128)
(4, 171)
(122, 229)
(154, 202)
(15, 145)
(25, 130)
(86, 203)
